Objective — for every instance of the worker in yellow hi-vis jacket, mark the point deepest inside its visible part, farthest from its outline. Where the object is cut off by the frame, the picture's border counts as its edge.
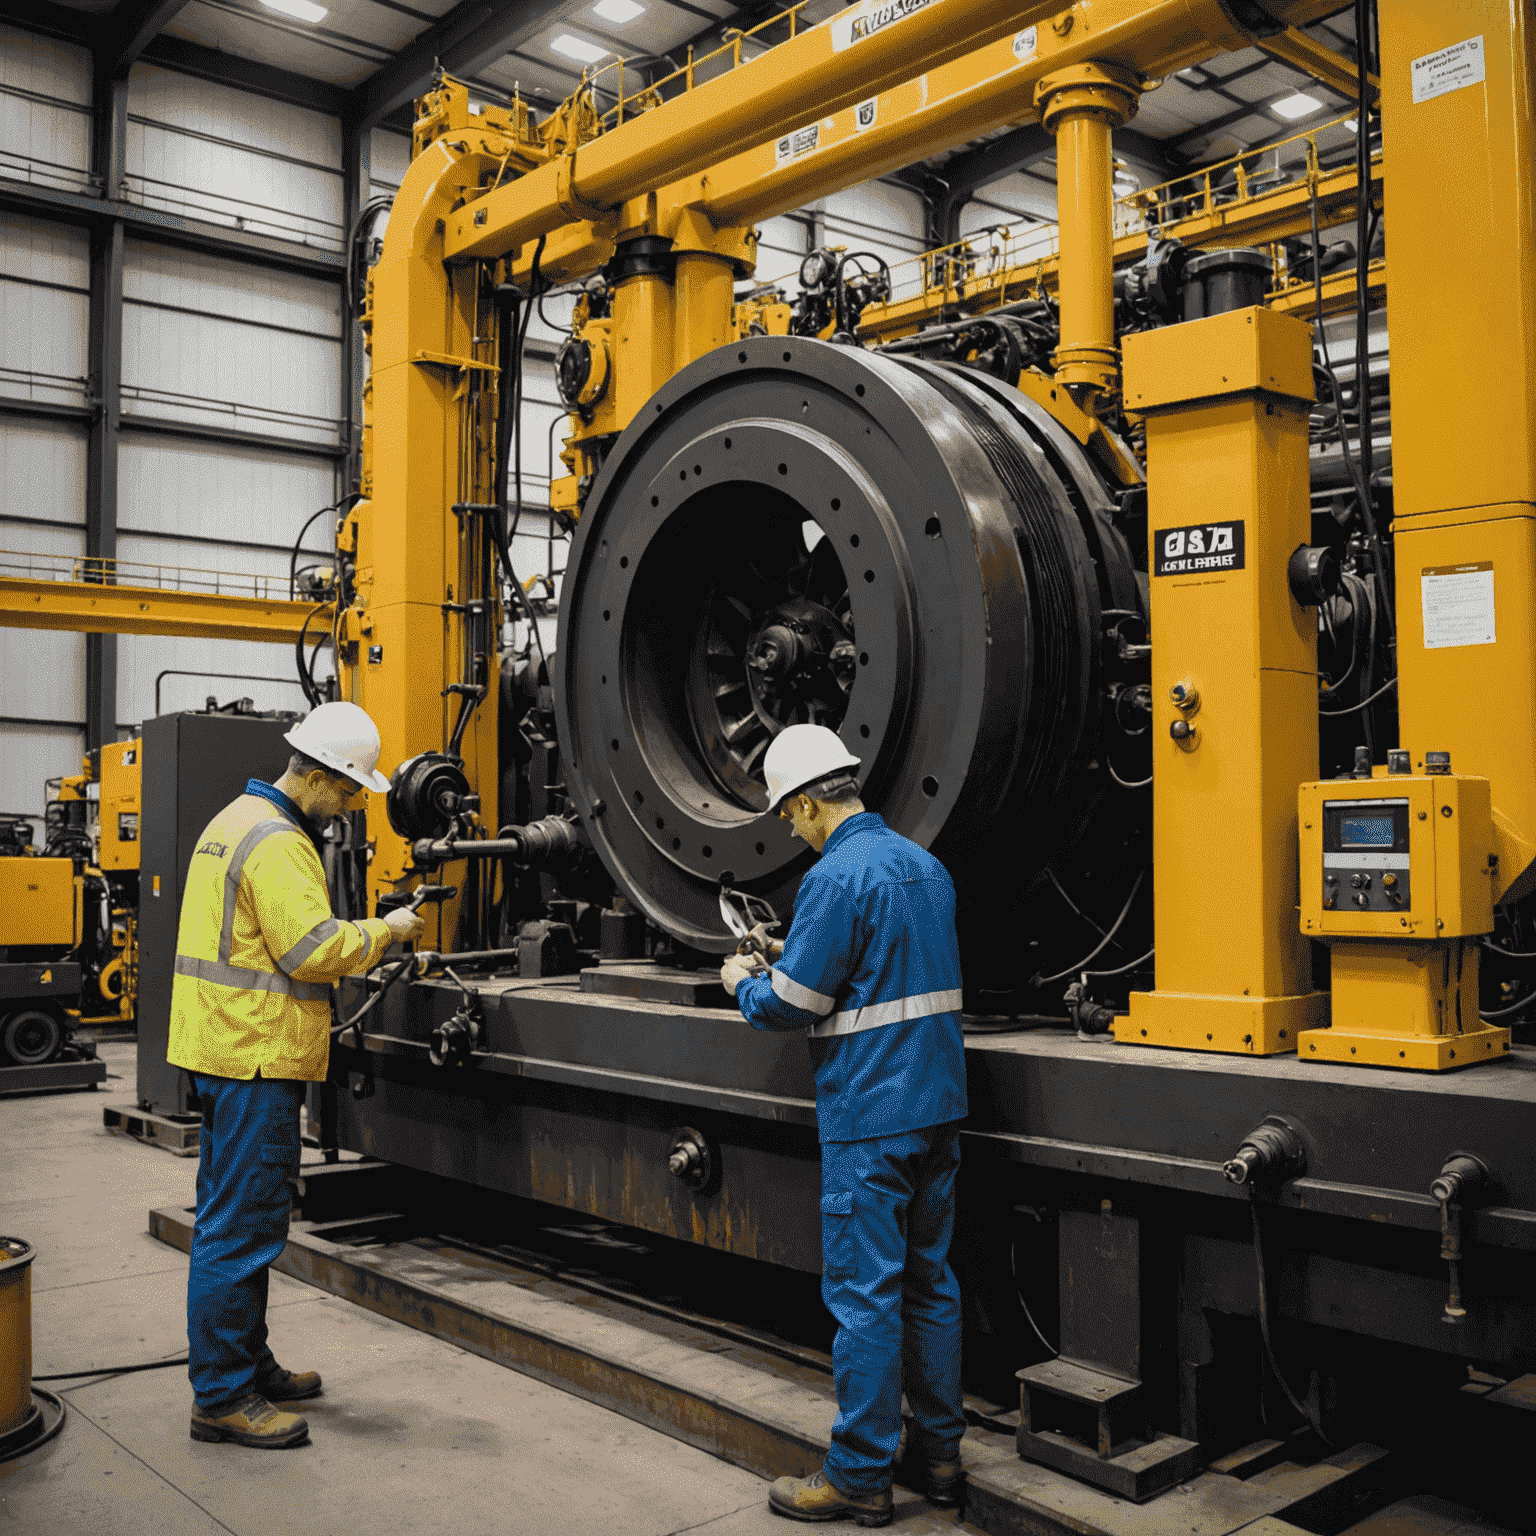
(256, 954)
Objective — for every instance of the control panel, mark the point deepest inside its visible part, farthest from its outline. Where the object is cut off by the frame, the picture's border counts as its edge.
(1390, 853)
(1367, 861)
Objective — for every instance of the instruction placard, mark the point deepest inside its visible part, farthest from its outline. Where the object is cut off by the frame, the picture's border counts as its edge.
(1458, 605)
(1451, 69)
(793, 146)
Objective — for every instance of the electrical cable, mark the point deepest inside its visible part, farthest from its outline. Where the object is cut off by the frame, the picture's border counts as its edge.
(307, 682)
(1358, 473)
(1131, 965)
(1391, 682)
(1072, 970)
(51, 1433)
(1126, 783)
(1269, 1348)
(113, 1370)
(1050, 875)
(1013, 1267)
(1504, 1013)
(510, 440)
(1507, 954)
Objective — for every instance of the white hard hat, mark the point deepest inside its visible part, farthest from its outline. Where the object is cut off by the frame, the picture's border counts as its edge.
(800, 755)
(345, 739)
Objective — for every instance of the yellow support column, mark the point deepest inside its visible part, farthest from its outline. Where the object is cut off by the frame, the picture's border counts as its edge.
(1458, 130)
(1234, 679)
(1081, 106)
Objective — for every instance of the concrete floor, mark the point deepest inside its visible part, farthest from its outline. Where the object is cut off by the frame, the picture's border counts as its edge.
(411, 1434)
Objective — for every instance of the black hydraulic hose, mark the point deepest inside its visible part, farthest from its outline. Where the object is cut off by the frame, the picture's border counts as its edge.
(404, 964)
(1363, 235)
(306, 678)
(1269, 1348)
(113, 1370)
(51, 1433)
(515, 320)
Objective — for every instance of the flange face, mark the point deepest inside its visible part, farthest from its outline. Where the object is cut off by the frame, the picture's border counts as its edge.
(798, 531)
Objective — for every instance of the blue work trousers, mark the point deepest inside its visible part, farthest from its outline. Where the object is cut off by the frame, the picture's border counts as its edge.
(248, 1151)
(887, 1214)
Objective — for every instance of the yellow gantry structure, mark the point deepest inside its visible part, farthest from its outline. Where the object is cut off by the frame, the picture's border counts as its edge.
(487, 198)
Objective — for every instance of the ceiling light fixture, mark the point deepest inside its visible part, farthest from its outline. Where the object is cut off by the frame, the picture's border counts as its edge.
(300, 10)
(1298, 105)
(577, 48)
(618, 11)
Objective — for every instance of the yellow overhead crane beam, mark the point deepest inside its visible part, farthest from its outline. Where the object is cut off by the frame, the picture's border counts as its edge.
(88, 607)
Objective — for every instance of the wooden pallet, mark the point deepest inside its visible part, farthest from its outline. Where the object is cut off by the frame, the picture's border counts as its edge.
(176, 1134)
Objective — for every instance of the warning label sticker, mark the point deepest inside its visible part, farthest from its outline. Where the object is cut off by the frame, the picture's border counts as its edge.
(1024, 45)
(1458, 605)
(793, 146)
(1197, 550)
(861, 21)
(1451, 69)
(866, 113)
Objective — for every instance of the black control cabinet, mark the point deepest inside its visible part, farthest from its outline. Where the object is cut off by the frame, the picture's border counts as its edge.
(194, 765)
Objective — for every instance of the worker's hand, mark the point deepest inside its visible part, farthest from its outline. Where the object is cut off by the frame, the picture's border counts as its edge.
(404, 926)
(773, 948)
(735, 971)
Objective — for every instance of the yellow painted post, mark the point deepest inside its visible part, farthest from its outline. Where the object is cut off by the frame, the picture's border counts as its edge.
(1081, 106)
(703, 295)
(1456, 95)
(1234, 679)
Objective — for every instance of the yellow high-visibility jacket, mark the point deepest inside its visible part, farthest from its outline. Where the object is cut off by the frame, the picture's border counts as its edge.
(258, 949)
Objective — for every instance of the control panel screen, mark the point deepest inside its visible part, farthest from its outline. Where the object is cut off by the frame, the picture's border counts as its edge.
(1366, 831)
(1367, 861)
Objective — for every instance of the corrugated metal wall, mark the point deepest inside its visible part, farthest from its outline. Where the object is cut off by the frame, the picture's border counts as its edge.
(216, 352)
(226, 363)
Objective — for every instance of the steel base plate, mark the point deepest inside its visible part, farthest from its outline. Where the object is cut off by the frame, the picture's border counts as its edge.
(1417, 1053)
(1241, 1026)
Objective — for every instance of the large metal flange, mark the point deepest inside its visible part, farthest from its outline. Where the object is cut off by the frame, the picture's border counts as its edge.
(1108, 92)
(777, 502)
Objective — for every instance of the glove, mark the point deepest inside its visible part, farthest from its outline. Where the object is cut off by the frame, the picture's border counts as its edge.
(773, 948)
(404, 926)
(735, 971)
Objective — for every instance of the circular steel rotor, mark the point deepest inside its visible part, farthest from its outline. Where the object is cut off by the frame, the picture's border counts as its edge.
(907, 552)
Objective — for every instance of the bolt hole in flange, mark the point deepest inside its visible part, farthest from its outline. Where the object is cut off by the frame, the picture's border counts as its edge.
(736, 618)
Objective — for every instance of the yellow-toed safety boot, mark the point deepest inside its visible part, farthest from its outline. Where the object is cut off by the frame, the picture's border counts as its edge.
(288, 1386)
(817, 1498)
(251, 1421)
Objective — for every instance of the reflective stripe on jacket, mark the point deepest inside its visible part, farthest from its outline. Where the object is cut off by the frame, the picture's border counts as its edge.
(871, 972)
(258, 949)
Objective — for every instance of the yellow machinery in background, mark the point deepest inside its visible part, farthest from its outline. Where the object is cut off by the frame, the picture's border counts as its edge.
(69, 931)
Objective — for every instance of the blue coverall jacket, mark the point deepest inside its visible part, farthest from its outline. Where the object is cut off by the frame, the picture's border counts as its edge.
(871, 970)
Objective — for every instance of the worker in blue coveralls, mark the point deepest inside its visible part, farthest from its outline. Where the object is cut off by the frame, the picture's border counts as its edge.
(870, 970)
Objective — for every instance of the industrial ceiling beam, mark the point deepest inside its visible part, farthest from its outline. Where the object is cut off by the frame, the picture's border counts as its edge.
(472, 36)
(244, 74)
(131, 28)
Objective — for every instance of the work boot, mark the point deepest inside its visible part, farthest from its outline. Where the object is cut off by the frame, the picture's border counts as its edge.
(817, 1498)
(288, 1386)
(251, 1421)
(939, 1481)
